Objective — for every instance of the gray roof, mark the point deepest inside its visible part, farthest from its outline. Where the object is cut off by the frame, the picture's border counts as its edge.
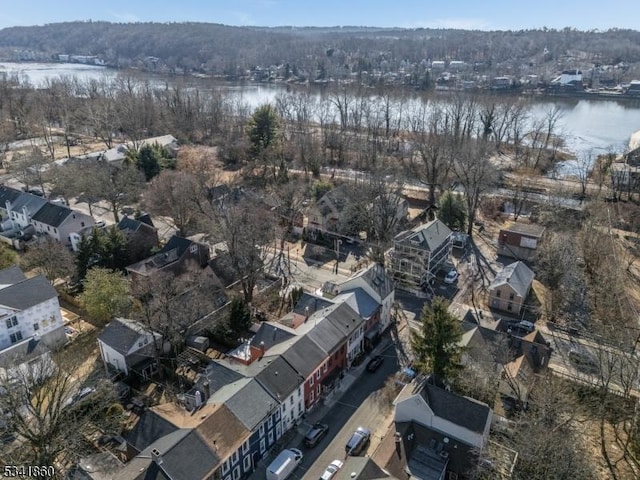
(121, 334)
(33, 203)
(328, 335)
(11, 275)
(52, 214)
(527, 229)
(8, 194)
(189, 459)
(428, 236)
(337, 197)
(251, 404)
(27, 293)
(22, 352)
(365, 303)
(305, 356)
(218, 376)
(149, 428)
(344, 318)
(269, 335)
(517, 275)
(279, 378)
(462, 411)
(130, 225)
(312, 302)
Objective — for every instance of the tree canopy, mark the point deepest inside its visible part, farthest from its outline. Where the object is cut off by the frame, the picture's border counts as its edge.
(436, 346)
(105, 294)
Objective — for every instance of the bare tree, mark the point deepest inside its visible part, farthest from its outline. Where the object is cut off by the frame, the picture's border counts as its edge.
(176, 195)
(476, 174)
(38, 400)
(29, 168)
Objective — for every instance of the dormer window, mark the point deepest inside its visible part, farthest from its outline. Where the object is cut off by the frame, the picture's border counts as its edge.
(193, 248)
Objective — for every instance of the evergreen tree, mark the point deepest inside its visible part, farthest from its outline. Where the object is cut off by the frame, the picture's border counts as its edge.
(239, 316)
(436, 346)
(451, 211)
(263, 129)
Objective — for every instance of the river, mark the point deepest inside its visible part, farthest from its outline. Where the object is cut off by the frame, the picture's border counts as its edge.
(588, 125)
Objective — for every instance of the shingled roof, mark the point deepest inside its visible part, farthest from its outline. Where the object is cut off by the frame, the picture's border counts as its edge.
(517, 275)
(427, 237)
(27, 293)
(462, 411)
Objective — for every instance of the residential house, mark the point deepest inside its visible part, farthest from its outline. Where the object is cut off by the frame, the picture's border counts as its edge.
(29, 308)
(518, 360)
(371, 283)
(30, 358)
(175, 257)
(19, 207)
(141, 236)
(418, 254)
(61, 224)
(230, 433)
(129, 347)
(314, 365)
(439, 432)
(519, 240)
(327, 213)
(510, 288)
(306, 306)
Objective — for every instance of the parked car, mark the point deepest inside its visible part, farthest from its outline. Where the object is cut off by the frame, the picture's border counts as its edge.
(85, 392)
(333, 468)
(315, 434)
(284, 464)
(375, 363)
(358, 442)
(451, 277)
(525, 325)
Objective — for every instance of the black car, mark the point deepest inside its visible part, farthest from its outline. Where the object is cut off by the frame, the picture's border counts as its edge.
(358, 442)
(315, 434)
(375, 363)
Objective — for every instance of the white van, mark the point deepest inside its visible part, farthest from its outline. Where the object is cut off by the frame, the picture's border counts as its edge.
(284, 464)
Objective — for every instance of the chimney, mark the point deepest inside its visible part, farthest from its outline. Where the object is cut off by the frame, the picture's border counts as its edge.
(156, 456)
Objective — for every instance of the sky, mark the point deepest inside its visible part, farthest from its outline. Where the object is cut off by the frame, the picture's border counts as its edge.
(465, 14)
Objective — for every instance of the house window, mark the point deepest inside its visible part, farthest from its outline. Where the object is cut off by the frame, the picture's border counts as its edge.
(82, 224)
(510, 306)
(311, 381)
(225, 466)
(12, 322)
(319, 390)
(246, 463)
(262, 430)
(311, 397)
(270, 437)
(236, 473)
(270, 422)
(324, 368)
(498, 293)
(15, 337)
(36, 327)
(300, 391)
(318, 375)
(193, 248)
(55, 230)
(48, 228)
(263, 446)
(511, 296)
(245, 447)
(235, 457)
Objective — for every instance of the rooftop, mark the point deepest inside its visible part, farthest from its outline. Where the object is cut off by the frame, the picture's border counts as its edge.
(429, 236)
(527, 229)
(517, 275)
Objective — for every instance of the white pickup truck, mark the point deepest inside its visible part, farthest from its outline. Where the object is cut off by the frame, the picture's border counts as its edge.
(284, 464)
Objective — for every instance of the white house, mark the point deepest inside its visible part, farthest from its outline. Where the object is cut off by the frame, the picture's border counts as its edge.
(28, 308)
(127, 346)
(61, 223)
(460, 418)
(18, 207)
